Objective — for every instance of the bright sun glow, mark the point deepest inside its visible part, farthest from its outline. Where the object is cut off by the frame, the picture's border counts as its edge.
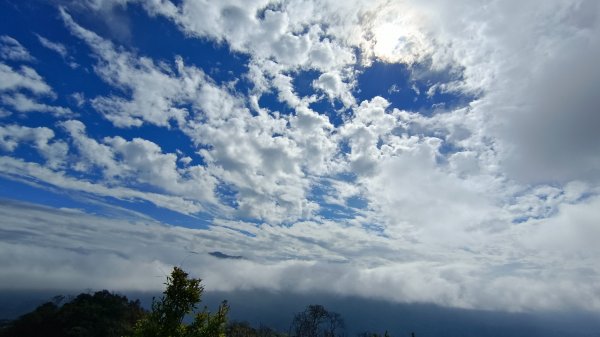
(398, 39)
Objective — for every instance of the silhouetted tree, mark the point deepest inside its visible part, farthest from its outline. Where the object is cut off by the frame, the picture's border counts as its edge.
(180, 299)
(100, 314)
(265, 331)
(244, 329)
(316, 321)
(240, 329)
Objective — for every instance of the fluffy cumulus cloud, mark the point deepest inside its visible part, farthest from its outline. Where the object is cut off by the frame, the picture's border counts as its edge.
(54, 152)
(140, 161)
(477, 188)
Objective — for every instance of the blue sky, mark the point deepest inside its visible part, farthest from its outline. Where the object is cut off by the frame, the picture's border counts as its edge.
(335, 147)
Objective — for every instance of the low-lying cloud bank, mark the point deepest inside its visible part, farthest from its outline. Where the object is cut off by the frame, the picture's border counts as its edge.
(47, 248)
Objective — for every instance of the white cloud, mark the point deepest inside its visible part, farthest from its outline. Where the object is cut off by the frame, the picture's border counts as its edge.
(23, 78)
(535, 77)
(465, 162)
(366, 132)
(253, 154)
(54, 46)
(237, 23)
(483, 206)
(305, 257)
(11, 49)
(333, 85)
(340, 191)
(156, 93)
(266, 171)
(572, 230)
(277, 40)
(186, 160)
(91, 152)
(22, 103)
(140, 161)
(78, 98)
(420, 201)
(12, 136)
(18, 86)
(30, 172)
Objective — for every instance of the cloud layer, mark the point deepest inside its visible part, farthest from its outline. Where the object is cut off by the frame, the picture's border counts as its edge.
(487, 204)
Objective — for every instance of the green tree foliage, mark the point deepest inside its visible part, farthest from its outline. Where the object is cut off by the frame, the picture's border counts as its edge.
(244, 329)
(98, 315)
(240, 329)
(180, 299)
(316, 321)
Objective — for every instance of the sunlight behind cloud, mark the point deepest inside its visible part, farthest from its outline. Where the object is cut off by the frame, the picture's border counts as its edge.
(393, 45)
(397, 36)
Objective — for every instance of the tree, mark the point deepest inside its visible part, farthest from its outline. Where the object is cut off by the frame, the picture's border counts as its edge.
(244, 329)
(101, 314)
(240, 329)
(180, 299)
(316, 321)
(265, 331)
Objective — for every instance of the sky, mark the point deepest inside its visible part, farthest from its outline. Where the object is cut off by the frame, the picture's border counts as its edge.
(408, 151)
